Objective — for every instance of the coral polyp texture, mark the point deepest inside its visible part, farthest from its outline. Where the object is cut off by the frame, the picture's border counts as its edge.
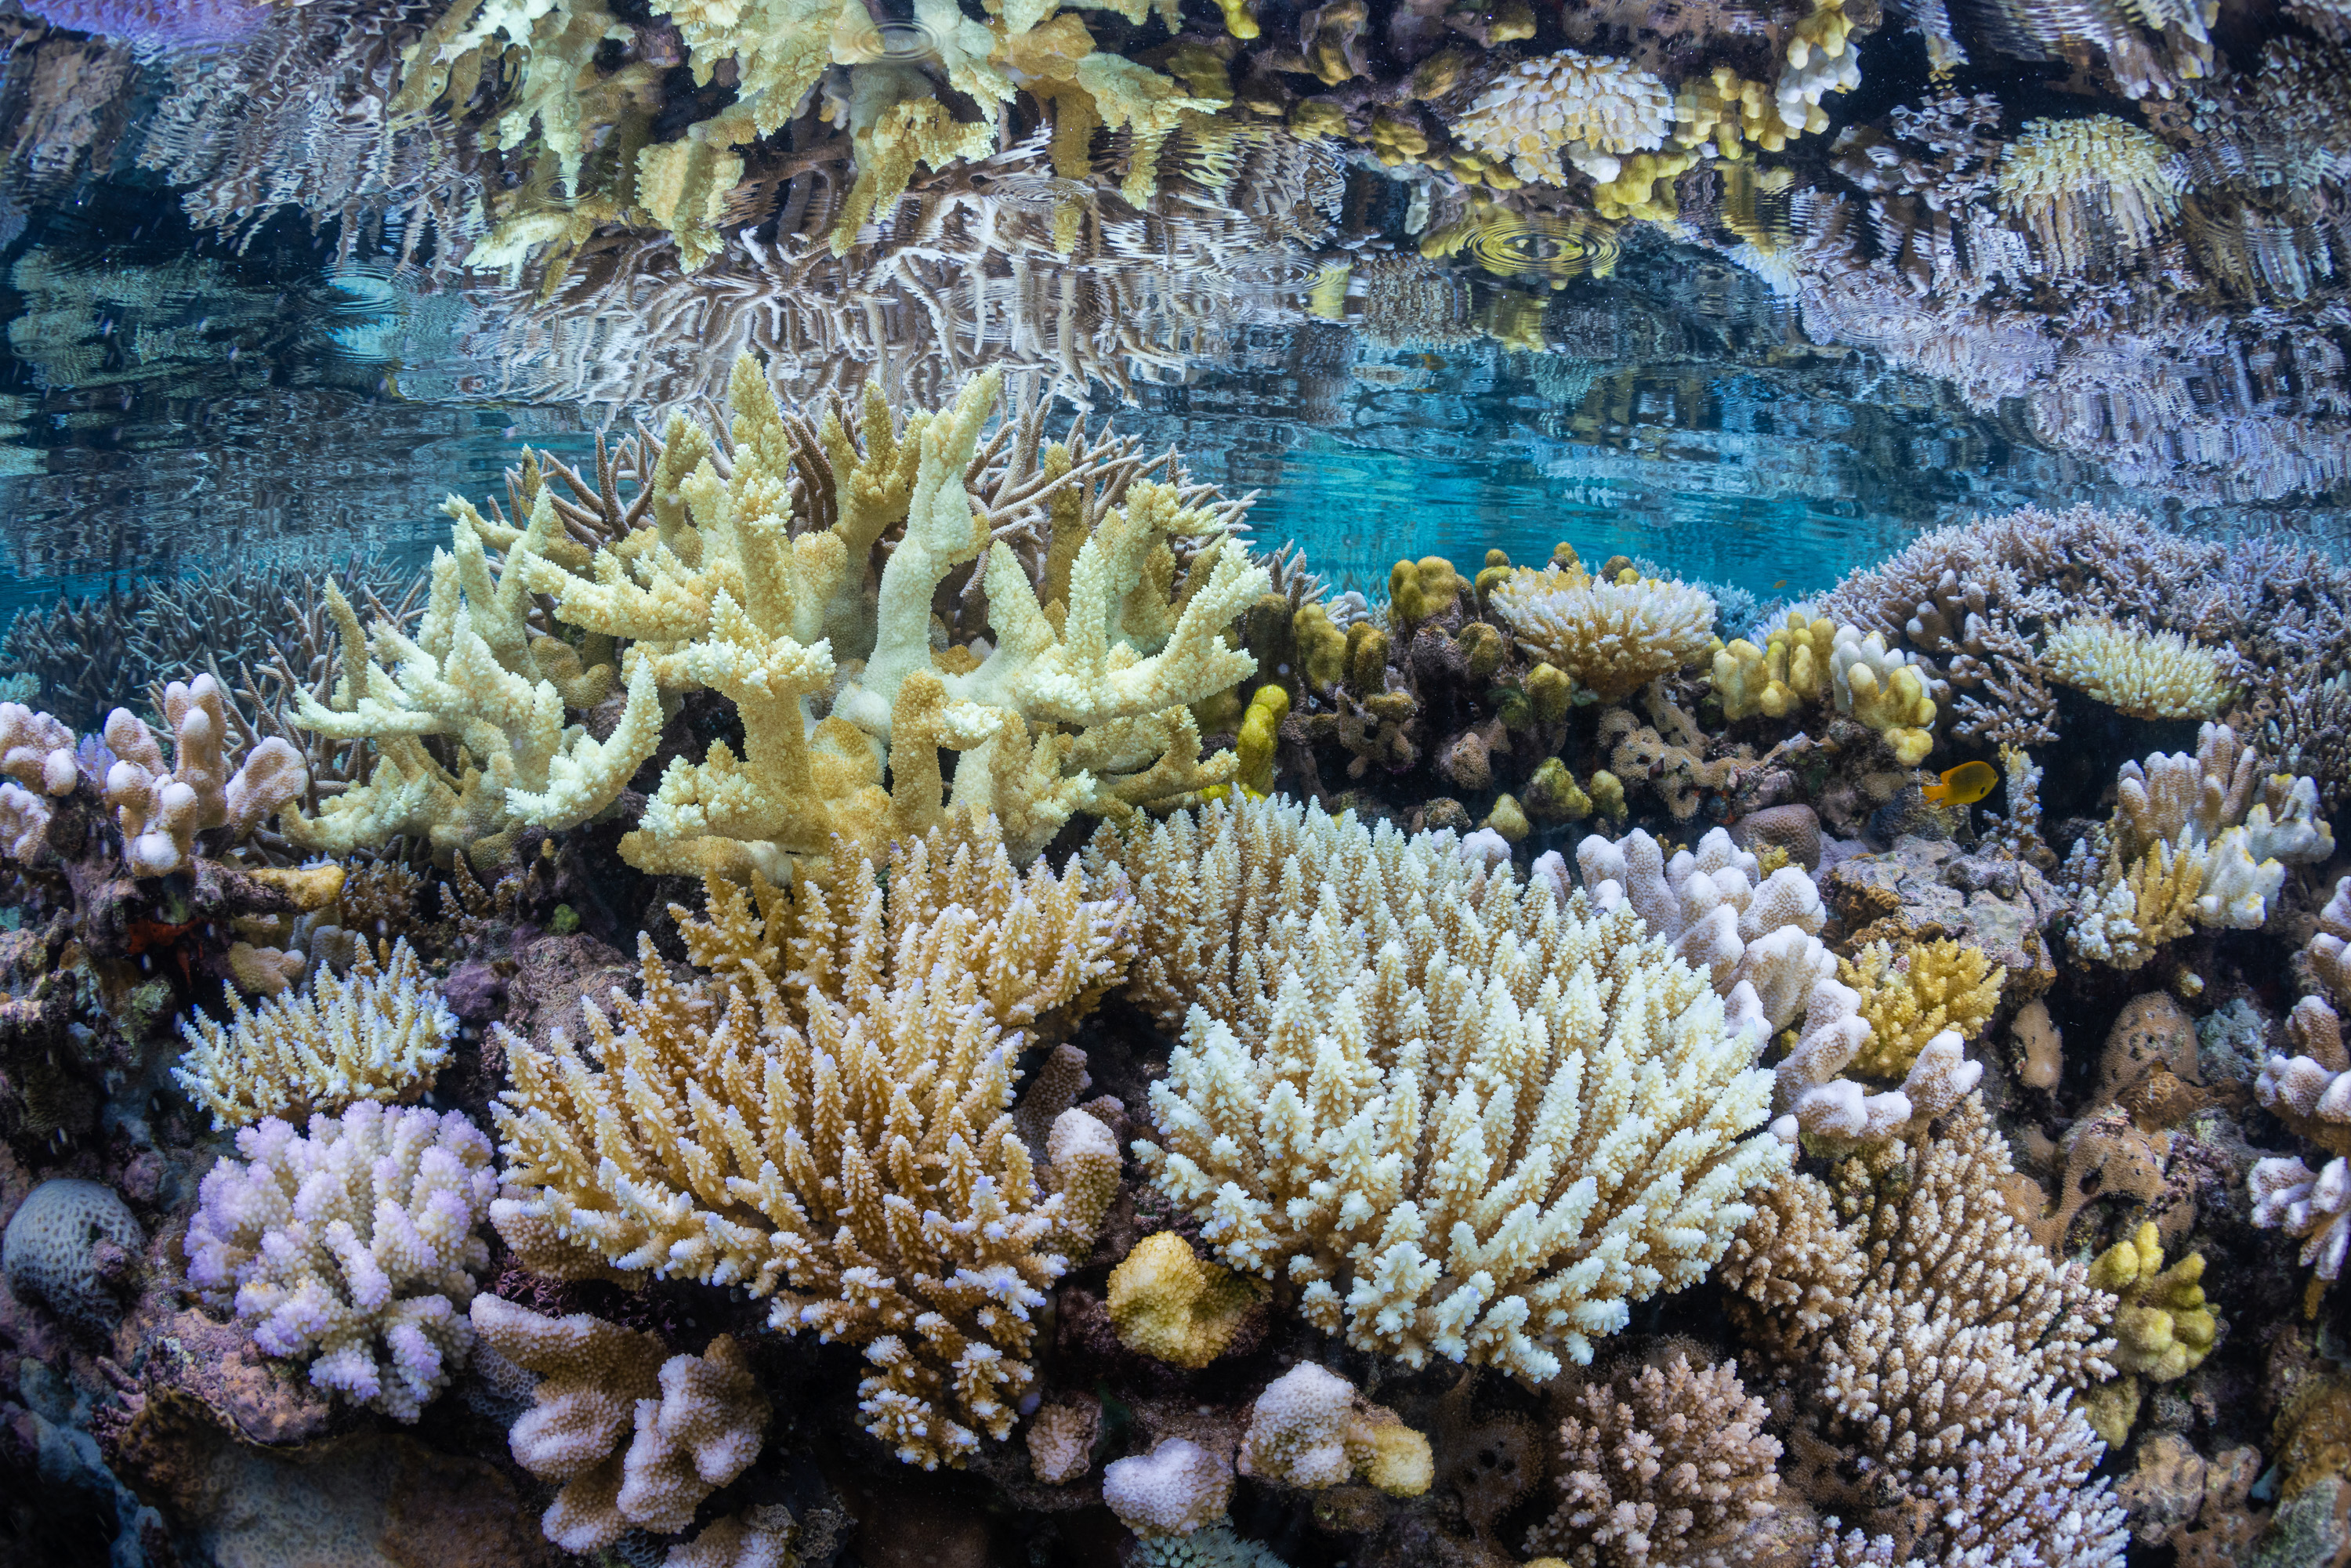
(354, 1248)
(819, 1113)
(2158, 675)
(1612, 637)
(1457, 1118)
(381, 1033)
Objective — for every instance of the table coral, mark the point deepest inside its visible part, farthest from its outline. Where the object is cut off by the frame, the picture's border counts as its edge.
(1612, 637)
(819, 1112)
(2144, 674)
(381, 1033)
(1365, 1011)
(1660, 1465)
(353, 1248)
(698, 1421)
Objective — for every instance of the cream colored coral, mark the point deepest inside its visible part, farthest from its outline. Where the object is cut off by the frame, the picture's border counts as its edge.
(1820, 60)
(478, 673)
(36, 750)
(1933, 986)
(1612, 637)
(2069, 179)
(1084, 1158)
(1173, 1306)
(24, 819)
(2310, 1091)
(1061, 1438)
(1885, 690)
(161, 810)
(1589, 106)
(697, 1421)
(1178, 1488)
(1468, 1121)
(353, 1248)
(1310, 1427)
(1720, 921)
(2146, 674)
(381, 1033)
(1660, 1465)
(819, 1115)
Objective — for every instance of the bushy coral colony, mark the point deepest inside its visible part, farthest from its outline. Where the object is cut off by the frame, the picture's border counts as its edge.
(876, 986)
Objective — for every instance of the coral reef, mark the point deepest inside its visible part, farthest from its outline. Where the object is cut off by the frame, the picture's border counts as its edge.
(353, 1249)
(1329, 1062)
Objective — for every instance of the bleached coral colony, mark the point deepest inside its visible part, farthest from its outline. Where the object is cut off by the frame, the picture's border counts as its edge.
(867, 979)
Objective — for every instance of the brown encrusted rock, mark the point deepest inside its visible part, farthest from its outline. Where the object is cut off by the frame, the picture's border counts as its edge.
(2165, 1491)
(216, 1368)
(2151, 1031)
(1795, 828)
(1466, 762)
(1922, 889)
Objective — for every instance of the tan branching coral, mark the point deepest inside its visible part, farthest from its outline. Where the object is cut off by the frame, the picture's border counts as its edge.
(381, 1033)
(698, 1421)
(161, 810)
(2310, 1091)
(820, 1113)
(1612, 637)
(1660, 1465)
(2159, 674)
(1456, 1117)
(1932, 986)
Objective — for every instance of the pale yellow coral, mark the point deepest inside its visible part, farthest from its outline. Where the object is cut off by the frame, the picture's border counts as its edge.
(1789, 670)
(1612, 637)
(378, 1033)
(1469, 1121)
(1885, 690)
(1589, 106)
(1170, 1304)
(2163, 1326)
(2069, 180)
(819, 1115)
(2146, 674)
(1933, 987)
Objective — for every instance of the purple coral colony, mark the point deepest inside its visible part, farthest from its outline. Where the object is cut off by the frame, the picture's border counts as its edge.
(859, 975)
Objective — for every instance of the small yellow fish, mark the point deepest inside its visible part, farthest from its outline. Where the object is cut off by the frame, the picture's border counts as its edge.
(1964, 785)
(1781, 583)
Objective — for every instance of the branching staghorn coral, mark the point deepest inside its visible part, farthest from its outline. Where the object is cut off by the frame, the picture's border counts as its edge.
(353, 1248)
(698, 1421)
(1660, 1463)
(1612, 637)
(2310, 1091)
(2158, 676)
(2199, 841)
(820, 1113)
(1398, 1090)
(1917, 1321)
(1932, 986)
(378, 1033)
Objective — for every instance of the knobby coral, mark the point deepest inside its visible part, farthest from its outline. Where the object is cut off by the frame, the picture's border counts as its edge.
(1455, 1116)
(2310, 1091)
(353, 1247)
(821, 1113)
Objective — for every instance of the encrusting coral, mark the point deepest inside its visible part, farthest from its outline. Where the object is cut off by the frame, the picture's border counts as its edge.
(1450, 1115)
(821, 1114)
(1168, 1302)
(49, 1250)
(354, 1248)
(1660, 1465)
(698, 1421)
(381, 1033)
(1310, 1427)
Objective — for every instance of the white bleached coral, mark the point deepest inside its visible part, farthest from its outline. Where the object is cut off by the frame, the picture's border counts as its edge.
(353, 1247)
(36, 750)
(1310, 1427)
(2159, 675)
(1469, 1121)
(381, 1033)
(2081, 185)
(161, 810)
(698, 1421)
(1175, 1490)
(1612, 637)
(2310, 1091)
(1590, 106)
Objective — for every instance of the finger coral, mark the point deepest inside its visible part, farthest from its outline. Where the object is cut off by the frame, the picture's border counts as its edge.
(161, 810)
(820, 1113)
(1612, 637)
(2199, 841)
(697, 1421)
(2163, 1326)
(1658, 1465)
(1455, 1117)
(2310, 1091)
(353, 1248)
(2147, 675)
(381, 1033)
(1588, 107)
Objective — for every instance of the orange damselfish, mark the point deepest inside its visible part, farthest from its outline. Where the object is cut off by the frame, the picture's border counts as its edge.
(1964, 785)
